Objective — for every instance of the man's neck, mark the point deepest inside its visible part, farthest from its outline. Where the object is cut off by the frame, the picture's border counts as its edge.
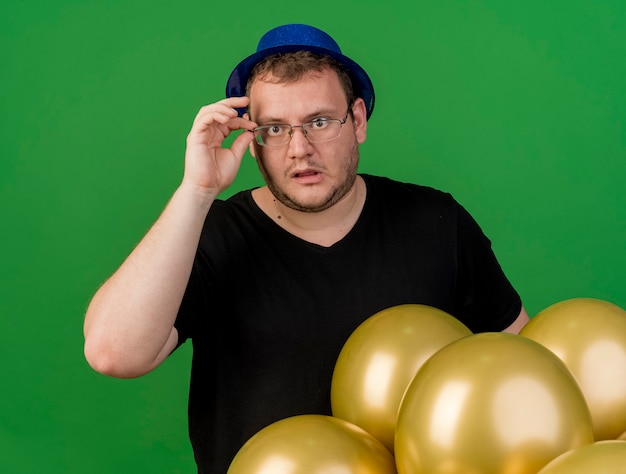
(323, 228)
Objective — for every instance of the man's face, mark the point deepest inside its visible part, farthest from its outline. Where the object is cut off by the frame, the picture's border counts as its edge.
(308, 177)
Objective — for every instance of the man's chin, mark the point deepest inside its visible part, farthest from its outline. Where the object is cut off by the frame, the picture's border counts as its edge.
(308, 204)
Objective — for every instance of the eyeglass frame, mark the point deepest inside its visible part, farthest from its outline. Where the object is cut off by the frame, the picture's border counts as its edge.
(301, 126)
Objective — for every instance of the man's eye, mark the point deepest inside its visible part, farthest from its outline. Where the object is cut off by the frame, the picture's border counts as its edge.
(274, 130)
(319, 123)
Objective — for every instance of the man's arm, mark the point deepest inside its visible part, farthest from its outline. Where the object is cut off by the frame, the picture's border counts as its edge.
(517, 325)
(129, 325)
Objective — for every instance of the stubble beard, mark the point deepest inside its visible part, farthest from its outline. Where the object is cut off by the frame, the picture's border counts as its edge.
(334, 195)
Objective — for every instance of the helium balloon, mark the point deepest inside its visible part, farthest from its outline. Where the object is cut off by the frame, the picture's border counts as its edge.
(380, 359)
(601, 457)
(589, 335)
(312, 444)
(490, 403)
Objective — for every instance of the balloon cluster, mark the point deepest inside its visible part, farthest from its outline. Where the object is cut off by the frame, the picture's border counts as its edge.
(415, 392)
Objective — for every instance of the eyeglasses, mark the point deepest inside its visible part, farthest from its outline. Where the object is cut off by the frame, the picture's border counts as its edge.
(318, 130)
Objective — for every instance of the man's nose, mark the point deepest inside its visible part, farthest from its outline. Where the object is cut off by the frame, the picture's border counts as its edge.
(299, 143)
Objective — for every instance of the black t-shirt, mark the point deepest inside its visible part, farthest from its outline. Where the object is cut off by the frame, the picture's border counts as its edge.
(268, 313)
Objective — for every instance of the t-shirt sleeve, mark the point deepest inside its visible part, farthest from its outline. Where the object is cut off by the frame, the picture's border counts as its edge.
(485, 298)
(194, 306)
(184, 318)
(196, 314)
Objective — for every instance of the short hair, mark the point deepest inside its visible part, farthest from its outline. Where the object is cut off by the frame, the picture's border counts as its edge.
(293, 66)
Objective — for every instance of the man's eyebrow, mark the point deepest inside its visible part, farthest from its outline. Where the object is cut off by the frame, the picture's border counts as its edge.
(322, 112)
(269, 120)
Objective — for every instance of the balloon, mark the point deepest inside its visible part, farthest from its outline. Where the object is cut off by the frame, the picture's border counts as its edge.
(490, 403)
(589, 335)
(622, 436)
(312, 444)
(601, 457)
(380, 359)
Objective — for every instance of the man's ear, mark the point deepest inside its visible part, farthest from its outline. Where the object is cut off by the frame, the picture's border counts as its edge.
(359, 114)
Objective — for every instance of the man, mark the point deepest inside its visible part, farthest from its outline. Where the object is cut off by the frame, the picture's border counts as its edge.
(270, 283)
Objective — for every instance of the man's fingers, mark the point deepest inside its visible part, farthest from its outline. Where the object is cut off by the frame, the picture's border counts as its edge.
(240, 123)
(225, 107)
(241, 143)
(223, 114)
(235, 102)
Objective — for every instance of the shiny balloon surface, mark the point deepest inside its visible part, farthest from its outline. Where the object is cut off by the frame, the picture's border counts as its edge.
(380, 359)
(589, 335)
(312, 444)
(490, 403)
(601, 457)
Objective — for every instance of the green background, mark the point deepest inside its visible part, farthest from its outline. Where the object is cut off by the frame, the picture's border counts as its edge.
(516, 108)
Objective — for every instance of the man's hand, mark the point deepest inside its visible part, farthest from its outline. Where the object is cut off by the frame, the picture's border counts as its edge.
(208, 166)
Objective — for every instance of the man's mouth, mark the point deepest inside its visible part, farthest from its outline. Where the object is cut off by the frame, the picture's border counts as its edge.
(308, 176)
(306, 173)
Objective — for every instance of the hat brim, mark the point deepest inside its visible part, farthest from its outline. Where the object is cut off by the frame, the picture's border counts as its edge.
(363, 87)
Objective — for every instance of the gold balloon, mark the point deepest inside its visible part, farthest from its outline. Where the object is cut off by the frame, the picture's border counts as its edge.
(312, 444)
(380, 359)
(490, 403)
(601, 457)
(589, 335)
